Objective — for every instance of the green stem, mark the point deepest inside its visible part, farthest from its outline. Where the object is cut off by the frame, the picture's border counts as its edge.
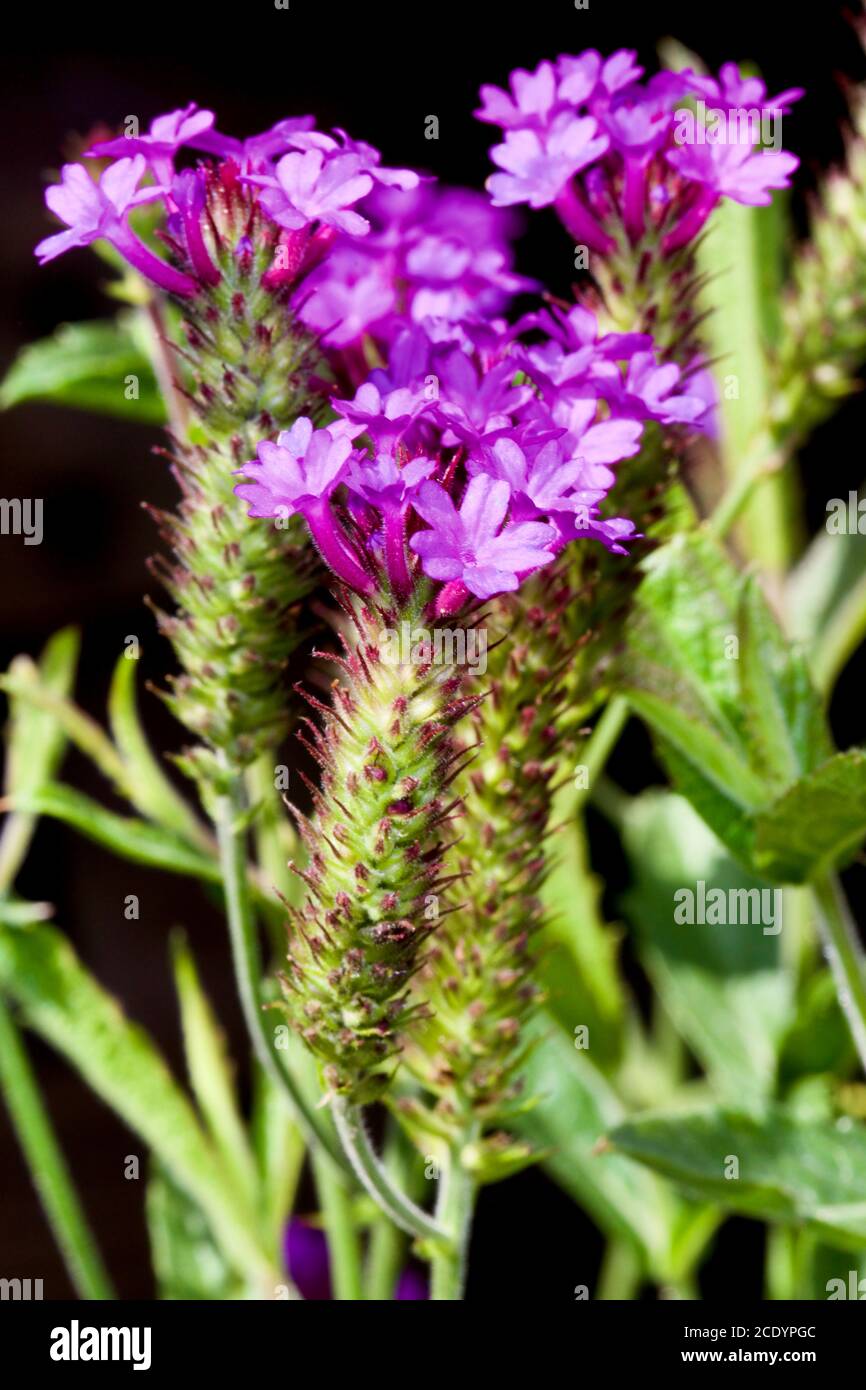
(844, 954)
(344, 1245)
(454, 1209)
(839, 638)
(621, 1273)
(247, 961)
(376, 1180)
(387, 1241)
(48, 1169)
(764, 460)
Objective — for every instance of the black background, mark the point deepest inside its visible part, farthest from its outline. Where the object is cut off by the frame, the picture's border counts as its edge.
(378, 70)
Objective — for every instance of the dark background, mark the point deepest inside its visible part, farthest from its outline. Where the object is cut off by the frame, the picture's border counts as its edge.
(378, 70)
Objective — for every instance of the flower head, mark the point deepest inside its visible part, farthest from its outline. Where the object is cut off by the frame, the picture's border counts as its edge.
(166, 136)
(475, 544)
(589, 137)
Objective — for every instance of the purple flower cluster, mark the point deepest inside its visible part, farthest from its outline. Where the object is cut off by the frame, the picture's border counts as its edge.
(306, 182)
(431, 254)
(609, 151)
(476, 456)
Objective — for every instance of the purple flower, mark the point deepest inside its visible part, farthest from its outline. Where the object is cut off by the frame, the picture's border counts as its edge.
(538, 164)
(310, 187)
(298, 473)
(301, 469)
(649, 393)
(188, 195)
(735, 170)
(474, 545)
(386, 418)
(545, 480)
(368, 157)
(528, 104)
(254, 148)
(474, 404)
(165, 137)
(438, 253)
(388, 486)
(733, 92)
(99, 210)
(307, 1263)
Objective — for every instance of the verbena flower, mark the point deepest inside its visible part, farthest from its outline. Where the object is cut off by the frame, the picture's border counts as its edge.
(605, 149)
(431, 254)
(446, 465)
(99, 210)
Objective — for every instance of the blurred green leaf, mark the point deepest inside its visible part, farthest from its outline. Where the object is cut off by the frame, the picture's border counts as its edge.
(149, 788)
(742, 259)
(724, 986)
(578, 962)
(576, 1108)
(817, 825)
(62, 1002)
(186, 1261)
(790, 1172)
(36, 742)
(125, 836)
(86, 365)
(738, 724)
(210, 1074)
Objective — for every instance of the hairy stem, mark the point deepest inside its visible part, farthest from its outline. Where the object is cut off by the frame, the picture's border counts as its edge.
(454, 1211)
(376, 1180)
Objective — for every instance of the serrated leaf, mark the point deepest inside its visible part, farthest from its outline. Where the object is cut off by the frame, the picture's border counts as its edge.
(125, 836)
(787, 728)
(730, 702)
(62, 1002)
(86, 365)
(789, 1171)
(724, 986)
(817, 825)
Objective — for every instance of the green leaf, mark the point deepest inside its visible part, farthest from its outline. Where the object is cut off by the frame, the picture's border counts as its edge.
(578, 961)
(150, 790)
(724, 986)
(36, 742)
(125, 836)
(736, 719)
(789, 1171)
(210, 1074)
(742, 256)
(62, 1002)
(825, 596)
(817, 825)
(86, 365)
(186, 1261)
(576, 1108)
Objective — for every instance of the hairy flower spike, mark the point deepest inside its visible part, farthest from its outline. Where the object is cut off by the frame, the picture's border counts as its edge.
(376, 846)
